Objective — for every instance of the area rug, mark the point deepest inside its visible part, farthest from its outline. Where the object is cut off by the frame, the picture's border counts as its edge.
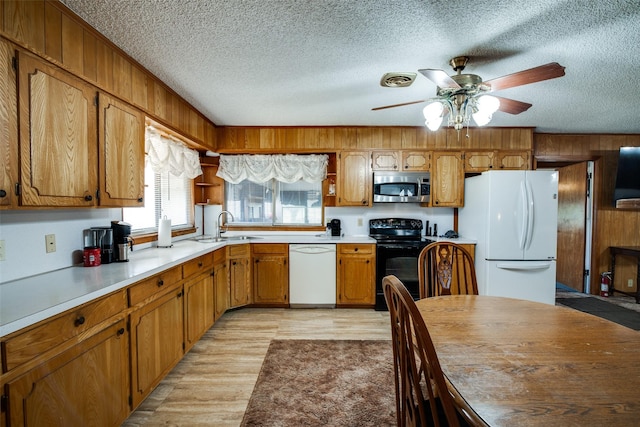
(324, 383)
(612, 312)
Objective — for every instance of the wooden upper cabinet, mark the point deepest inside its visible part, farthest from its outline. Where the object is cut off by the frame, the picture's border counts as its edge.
(354, 178)
(513, 160)
(121, 142)
(416, 160)
(447, 179)
(400, 160)
(8, 128)
(479, 161)
(58, 147)
(385, 160)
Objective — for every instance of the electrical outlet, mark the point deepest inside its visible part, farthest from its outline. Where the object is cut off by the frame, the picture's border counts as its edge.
(50, 243)
(630, 283)
(359, 222)
(2, 251)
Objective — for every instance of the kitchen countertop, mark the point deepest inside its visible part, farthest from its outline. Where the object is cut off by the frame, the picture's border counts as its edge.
(26, 301)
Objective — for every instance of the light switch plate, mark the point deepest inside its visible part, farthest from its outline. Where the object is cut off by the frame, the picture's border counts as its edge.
(2, 251)
(50, 242)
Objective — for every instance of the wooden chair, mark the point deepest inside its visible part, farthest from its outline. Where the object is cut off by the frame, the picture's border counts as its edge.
(422, 396)
(446, 268)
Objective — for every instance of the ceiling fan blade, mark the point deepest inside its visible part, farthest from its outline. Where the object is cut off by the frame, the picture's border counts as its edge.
(398, 105)
(512, 106)
(525, 77)
(439, 77)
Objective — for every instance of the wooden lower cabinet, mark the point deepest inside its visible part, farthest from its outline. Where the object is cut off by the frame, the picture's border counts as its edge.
(220, 282)
(356, 275)
(199, 307)
(271, 274)
(157, 339)
(87, 385)
(239, 275)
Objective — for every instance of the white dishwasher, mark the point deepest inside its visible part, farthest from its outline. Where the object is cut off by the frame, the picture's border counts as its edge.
(312, 275)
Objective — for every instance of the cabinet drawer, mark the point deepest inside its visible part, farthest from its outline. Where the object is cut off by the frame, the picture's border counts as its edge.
(25, 346)
(237, 251)
(154, 285)
(351, 248)
(270, 248)
(220, 255)
(197, 265)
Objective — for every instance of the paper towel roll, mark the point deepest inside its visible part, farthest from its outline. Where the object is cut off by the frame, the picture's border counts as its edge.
(164, 233)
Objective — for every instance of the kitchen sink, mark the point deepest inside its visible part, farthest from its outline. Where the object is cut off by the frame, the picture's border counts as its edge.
(211, 239)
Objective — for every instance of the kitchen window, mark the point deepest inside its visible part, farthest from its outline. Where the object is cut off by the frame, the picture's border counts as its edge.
(164, 194)
(170, 167)
(274, 203)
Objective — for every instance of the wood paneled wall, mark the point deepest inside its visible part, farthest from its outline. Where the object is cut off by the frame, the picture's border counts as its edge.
(310, 139)
(53, 32)
(612, 227)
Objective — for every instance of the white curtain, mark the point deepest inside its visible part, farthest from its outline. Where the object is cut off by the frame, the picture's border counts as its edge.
(264, 167)
(166, 155)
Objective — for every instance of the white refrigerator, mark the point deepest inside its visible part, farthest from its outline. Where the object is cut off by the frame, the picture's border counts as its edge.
(513, 217)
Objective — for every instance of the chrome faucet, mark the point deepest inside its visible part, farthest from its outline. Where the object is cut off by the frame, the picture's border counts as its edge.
(219, 232)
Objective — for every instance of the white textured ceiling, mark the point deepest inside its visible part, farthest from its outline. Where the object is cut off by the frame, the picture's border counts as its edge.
(319, 62)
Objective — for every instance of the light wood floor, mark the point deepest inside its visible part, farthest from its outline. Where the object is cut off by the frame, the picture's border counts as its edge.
(212, 384)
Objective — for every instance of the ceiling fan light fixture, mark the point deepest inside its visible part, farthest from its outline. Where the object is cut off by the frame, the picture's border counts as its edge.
(484, 108)
(433, 114)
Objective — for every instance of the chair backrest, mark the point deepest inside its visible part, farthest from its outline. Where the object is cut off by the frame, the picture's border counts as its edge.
(446, 268)
(422, 397)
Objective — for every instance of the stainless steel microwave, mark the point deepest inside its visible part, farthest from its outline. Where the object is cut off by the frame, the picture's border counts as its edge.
(401, 187)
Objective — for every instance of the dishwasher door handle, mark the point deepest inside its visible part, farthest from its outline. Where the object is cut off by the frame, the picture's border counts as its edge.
(312, 250)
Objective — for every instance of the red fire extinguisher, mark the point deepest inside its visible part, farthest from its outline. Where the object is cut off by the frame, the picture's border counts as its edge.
(605, 281)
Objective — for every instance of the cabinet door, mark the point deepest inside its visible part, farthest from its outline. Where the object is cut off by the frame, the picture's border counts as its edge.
(270, 279)
(354, 180)
(356, 280)
(514, 160)
(447, 179)
(385, 160)
(239, 274)
(415, 160)
(198, 307)
(478, 161)
(156, 342)
(8, 128)
(221, 285)
(121, 138)
(58, 142)
(87, 385)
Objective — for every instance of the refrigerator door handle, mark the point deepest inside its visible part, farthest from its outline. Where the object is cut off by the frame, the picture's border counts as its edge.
(523, 266)
(522, 240)
(530, 214)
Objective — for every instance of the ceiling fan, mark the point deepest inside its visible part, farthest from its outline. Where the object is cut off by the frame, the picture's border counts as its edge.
(463, 96)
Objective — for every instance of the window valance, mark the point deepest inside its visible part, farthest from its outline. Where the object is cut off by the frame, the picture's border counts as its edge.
(167, 155)
(264, 167)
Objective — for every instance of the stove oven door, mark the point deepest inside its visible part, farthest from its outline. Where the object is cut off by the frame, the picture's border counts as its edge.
(401, 260)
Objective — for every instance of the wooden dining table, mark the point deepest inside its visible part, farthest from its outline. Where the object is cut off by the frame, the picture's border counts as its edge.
(519, 363)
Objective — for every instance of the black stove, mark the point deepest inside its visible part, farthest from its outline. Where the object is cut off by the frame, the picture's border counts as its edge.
(399, 242)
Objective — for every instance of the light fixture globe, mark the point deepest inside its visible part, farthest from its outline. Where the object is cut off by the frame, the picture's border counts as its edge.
(433, 114)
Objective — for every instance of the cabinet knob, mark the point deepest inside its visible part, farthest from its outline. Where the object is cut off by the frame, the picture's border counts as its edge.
(3, 193)
(120, 331)
(257, 261)
(200, 264)
(160, 282)
(233, 263)
(364, 202)
(79, 321)
(355, 249)
(140, 199)
(88, 198)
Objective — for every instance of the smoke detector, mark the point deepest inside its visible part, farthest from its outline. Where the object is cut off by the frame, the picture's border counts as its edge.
(397, 79)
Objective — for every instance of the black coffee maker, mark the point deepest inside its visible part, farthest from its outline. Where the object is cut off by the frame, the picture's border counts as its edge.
(122, 242)
(335, 227)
